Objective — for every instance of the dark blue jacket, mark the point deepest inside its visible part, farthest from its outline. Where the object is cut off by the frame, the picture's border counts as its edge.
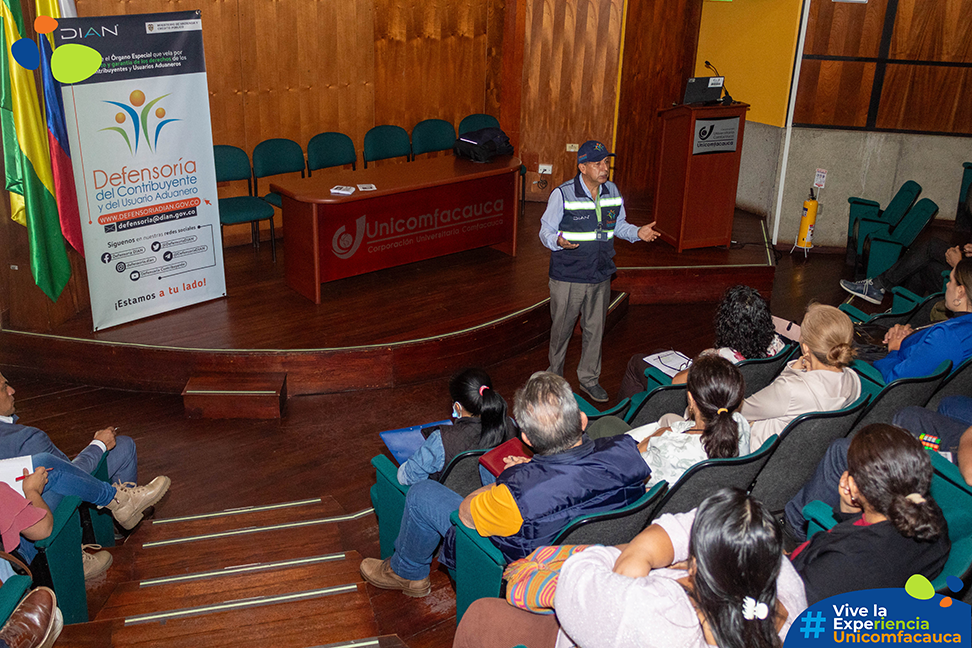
(593, 261)
(551, 491)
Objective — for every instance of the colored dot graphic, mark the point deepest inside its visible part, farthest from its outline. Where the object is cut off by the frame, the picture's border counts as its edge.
(921, 588)
(71, 63)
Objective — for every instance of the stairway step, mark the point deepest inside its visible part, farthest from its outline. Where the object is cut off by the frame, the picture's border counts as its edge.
(210, 588)
(235, 395)
(322, 620)
(217, 521)
(243, 546)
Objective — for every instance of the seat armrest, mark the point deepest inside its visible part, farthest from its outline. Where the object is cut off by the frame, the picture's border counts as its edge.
(483, 544)
(880, 254)
(855, 313)
(870, 227)
(12, 591)
(479, 567)
(863, 202)
(62, 515)
(904, 300)
(593, 413)
(656, 377)
(388, 470)
(867, 372)
(819, 517)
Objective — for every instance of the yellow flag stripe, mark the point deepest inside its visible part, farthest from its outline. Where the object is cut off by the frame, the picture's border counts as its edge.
(28, 118)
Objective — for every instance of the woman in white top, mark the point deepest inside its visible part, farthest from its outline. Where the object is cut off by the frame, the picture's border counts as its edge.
(713, 429)
(712, 576)
(819, 381)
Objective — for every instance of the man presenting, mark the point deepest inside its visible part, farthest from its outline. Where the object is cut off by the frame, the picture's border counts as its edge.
(583, 215)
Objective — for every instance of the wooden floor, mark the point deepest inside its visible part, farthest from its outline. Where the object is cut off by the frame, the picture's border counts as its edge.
(321, 449)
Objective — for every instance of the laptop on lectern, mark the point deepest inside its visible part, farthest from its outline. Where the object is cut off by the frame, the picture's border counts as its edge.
(703, 90)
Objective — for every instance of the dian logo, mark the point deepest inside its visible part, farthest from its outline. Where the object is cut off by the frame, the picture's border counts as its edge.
(343, 245)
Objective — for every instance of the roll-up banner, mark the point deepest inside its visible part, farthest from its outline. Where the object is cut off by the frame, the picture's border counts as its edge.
(142, 146)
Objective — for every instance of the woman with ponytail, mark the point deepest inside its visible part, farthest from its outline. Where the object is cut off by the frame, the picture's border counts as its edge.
(891, 528)
(480, 422)
(714, 576)
(713, 429)
(819, 381)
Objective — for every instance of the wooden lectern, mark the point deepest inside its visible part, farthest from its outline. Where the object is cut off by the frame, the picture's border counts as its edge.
(695, 194)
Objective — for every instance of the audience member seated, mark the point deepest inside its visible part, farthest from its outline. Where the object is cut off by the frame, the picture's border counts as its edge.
(878, 484)
(53, 479)
(19, 440)
(947, 430)
(570, 475)
(127, 501)
(713, 430)
(819, 381)
(713, 576)
(481, 422)
(914, 353)
(744, 330)
(919, 270)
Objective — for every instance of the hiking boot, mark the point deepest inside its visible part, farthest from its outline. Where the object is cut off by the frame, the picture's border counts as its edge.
(131, 501)
(95, 564)
(596, 392)
(379, 573)
(864, 289)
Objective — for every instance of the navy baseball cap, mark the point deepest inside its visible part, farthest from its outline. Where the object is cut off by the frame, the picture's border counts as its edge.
(592, 151)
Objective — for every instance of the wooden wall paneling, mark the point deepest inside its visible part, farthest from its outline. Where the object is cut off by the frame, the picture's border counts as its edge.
(430, 60)
(905, 99)
(504, 86)
(661, 38)
(834, 93)
(570, 55)
(933, 30)
(845, 29)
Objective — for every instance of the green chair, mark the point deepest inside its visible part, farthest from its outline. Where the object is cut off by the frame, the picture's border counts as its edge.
(273, 157)
(388, 495)
(861, 208)
(233, 164)
(432, 135)
(58, 563)
(803, 443)
(887, 399)
(477, 121)
(958, 383)
(706, 477)
(98, 525)
(954, 496)
(758, 372)
(386, 142)
(906, 308)
(11, 592)
(480, 565)
(330, 150)
(885, 244)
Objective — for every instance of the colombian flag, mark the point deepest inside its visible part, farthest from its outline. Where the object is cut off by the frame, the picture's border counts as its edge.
(27, 161)
(64, 190)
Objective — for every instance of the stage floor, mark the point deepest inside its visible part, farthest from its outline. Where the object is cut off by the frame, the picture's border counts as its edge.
(421, 300)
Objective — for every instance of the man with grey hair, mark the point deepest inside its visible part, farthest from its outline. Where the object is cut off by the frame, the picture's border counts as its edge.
(532, 500)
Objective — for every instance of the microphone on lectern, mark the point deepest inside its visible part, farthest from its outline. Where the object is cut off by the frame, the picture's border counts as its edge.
(727, 99)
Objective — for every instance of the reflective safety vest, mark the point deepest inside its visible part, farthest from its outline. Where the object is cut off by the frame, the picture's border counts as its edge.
(590, 224)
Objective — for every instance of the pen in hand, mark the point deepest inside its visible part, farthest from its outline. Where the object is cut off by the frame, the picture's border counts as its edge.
(22, 478)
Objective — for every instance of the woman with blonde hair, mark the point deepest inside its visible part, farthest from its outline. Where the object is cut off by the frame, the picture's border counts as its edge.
(818, 381)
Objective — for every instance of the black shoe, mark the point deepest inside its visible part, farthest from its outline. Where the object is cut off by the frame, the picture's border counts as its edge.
(596, 392)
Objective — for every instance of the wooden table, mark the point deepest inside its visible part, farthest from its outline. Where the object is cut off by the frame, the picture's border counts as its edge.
(420, 210)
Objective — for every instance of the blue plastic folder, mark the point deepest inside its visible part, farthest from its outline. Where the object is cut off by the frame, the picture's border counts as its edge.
(404, 442)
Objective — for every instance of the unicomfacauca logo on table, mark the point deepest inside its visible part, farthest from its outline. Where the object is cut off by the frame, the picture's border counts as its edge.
(387, 232)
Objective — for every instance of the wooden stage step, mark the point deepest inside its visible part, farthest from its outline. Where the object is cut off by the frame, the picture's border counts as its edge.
(236, 395)
(324, 619)
(215, 587)
(280, 535)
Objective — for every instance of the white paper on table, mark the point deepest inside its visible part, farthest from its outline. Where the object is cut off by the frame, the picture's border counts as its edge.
(669, 362)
